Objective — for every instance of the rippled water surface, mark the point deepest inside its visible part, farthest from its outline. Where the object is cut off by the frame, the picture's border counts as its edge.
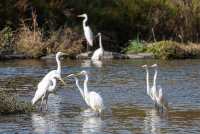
(122, 85)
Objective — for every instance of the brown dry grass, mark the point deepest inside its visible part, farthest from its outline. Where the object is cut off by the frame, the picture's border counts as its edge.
(30, 42)
(66, 40)
(191, 50)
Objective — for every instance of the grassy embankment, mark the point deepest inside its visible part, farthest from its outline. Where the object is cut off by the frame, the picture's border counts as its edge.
(165, 49)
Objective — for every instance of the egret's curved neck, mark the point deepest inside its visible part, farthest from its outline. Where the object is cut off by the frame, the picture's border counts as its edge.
(84, 21)
(147, 79)
(155, 77)
(100, 42)
(58, 64)
(85, 85)
(79, 88)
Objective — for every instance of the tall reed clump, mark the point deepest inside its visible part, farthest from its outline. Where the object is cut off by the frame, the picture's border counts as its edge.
(66, 40)
(29, 39)
(30, 42)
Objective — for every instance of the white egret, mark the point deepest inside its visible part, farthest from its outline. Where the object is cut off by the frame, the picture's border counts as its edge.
(92, 99)
(48, 83)
(99, 52)
(158, 94)
(87, 31)
(46, 87)
(154, 88)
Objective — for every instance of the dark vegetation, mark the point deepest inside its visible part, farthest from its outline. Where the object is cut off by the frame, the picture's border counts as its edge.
(10, 105)
(40, 27)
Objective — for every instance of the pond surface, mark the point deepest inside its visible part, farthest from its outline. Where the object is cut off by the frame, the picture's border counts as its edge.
(122, 85)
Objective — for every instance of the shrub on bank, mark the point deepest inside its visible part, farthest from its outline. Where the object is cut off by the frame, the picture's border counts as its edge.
(66, 40)
(34, 44)
(135, 46)
(30, 42)
(10, 105)
(6, 40)
(174, 50)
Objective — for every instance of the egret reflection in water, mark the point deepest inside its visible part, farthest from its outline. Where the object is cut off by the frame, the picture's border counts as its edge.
(92, 125)
(97, 63)
(153, 121)
(47, 121)
(90, 63)
(86, 63)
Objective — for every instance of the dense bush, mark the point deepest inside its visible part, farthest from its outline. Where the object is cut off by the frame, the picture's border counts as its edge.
(164, 49)
(66, 40)
(30, 42)
(135, 46)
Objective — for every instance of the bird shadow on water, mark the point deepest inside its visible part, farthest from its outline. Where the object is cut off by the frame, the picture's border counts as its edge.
(88, 113)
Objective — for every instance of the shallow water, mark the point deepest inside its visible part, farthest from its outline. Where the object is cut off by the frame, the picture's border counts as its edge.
(121, 83)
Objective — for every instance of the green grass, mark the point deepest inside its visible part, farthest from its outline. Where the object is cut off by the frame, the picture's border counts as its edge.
(134, 46)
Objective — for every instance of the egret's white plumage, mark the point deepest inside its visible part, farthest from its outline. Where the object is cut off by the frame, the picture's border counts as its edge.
(92, 99)
(160, 99)
(48, 83)
(45, 88)
(99, 52)
(154, 88)
(87, 31)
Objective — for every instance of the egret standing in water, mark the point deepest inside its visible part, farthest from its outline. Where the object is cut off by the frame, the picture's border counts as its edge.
(48, 83)
(158, 93)
(92, 99)
(154, 87)
(87, 31)
(99, 52)
(47, 86)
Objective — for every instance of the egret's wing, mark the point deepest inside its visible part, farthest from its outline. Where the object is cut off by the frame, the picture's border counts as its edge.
(89, 35)
(164, 99)
(41, 91)
(96, 98)
(95, 55)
